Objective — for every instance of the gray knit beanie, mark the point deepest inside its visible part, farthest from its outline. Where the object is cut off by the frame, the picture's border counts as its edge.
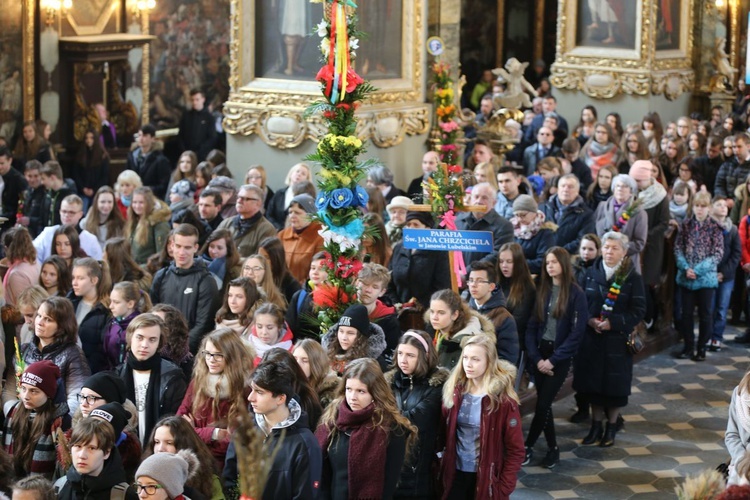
(525, 203)
(170, 471)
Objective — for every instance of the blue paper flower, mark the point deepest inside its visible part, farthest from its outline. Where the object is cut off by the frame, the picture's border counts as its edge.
(341, 198)
(321, 203)
(362, 196)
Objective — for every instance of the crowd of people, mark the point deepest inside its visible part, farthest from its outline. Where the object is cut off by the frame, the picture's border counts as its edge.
(143, 321)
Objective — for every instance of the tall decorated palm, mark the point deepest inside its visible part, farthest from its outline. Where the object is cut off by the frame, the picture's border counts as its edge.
(340, 197)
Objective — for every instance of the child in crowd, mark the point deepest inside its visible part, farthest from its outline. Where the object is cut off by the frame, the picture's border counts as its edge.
(354, 337)
(269, 330)
(125, 303)
(32, 421)
(679, 205)
(243, 297)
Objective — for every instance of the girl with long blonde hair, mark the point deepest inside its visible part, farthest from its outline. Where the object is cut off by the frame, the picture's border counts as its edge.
(258, 268)
(147, 225)
(480, 388)
(217, 394)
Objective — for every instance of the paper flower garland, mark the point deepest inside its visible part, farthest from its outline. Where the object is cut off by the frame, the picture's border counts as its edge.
(340, 197)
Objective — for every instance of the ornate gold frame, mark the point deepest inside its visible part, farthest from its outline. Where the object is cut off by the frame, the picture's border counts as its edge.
(604, 73)
(273, 109)
(29, 82)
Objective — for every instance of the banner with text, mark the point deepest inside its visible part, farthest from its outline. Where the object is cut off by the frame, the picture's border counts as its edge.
(446, 240)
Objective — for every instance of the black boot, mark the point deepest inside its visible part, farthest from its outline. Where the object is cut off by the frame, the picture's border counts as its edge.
(595, 433)
(608, 439)
(620, 425)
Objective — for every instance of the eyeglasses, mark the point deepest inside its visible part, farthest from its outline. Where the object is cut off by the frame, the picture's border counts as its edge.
(472, 281)
(150, 489)
(89, 399)
(216, 356)
(255, 269)
(245, 198)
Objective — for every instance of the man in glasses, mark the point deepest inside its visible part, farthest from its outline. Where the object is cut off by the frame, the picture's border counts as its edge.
(487, 299)
(249, 227)
(155, 385)
(188, 285)
(97, 471)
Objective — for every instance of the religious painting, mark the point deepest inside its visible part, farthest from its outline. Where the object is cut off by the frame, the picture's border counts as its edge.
(608, 24)
(11, 70)
(191, 51)
(290, 47)
(276, 54)
(668, 22)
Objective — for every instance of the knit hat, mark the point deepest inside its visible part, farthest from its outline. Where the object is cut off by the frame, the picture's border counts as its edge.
(525, 203)
(43, 375)
(356, 317)
(641, 170)
(399, 202)
(107, 385)
(184, 188)
(170, 471)
(115, 414)
(424, 217)
(222, 183)
(305, 201)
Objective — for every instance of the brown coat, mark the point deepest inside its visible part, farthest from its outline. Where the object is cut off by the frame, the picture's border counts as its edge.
(299, 249)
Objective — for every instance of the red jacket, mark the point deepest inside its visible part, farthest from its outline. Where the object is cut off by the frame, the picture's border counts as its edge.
(744, 239)
(205, 425)
(501, 450)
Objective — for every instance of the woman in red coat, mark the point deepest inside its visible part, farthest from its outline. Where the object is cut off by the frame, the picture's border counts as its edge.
(217, 394)
(480, 402)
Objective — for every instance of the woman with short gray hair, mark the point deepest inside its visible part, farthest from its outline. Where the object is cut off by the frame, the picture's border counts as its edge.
(622, 214)
(381, 177)
(604, 366)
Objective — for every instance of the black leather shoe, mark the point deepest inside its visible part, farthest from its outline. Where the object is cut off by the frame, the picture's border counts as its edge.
(595, 433)
(700, 355)
(743, 339)
(581, 416)
(620, 424)
(683, 354)
(608, 439)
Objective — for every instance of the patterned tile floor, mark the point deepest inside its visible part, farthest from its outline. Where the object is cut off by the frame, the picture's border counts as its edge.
(674, 426)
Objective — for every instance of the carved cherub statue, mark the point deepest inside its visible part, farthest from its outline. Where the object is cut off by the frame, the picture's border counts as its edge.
(515, 95)
(724, 70)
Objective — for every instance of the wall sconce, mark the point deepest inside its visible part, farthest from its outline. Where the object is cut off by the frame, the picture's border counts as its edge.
(52, 7)
(140, 6)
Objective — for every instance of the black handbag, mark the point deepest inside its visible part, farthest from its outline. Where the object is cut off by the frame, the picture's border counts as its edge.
(635, 343)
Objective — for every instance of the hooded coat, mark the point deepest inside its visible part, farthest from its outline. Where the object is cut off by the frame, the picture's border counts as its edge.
(376, 346)
(158, 232)
(449, 349)
(506, 333)
(193, 291)
(501, 446)
(85, 487)
(420, 400)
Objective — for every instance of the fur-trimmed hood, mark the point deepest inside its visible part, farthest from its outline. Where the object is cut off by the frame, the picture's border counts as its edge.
(436, 378)
(478, 323)
(161, 213)
(376, 343)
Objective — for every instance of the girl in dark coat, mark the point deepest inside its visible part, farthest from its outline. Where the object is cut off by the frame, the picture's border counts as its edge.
(417, 273)
(604, 366)
(517, 287)
(552, 338)
(90, 292)
(91, 168)
(480, 404)
(363, 436)
(417, 382)
(125, 303)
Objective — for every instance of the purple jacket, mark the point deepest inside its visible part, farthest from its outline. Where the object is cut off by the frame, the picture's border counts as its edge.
(114, 346)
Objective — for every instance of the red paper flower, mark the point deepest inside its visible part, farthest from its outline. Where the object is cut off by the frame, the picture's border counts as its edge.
(348, 267)
(352, 80)
(326, 296)
(345, 106)
(454, 169)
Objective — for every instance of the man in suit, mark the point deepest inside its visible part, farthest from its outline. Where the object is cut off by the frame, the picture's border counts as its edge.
(542, 149)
